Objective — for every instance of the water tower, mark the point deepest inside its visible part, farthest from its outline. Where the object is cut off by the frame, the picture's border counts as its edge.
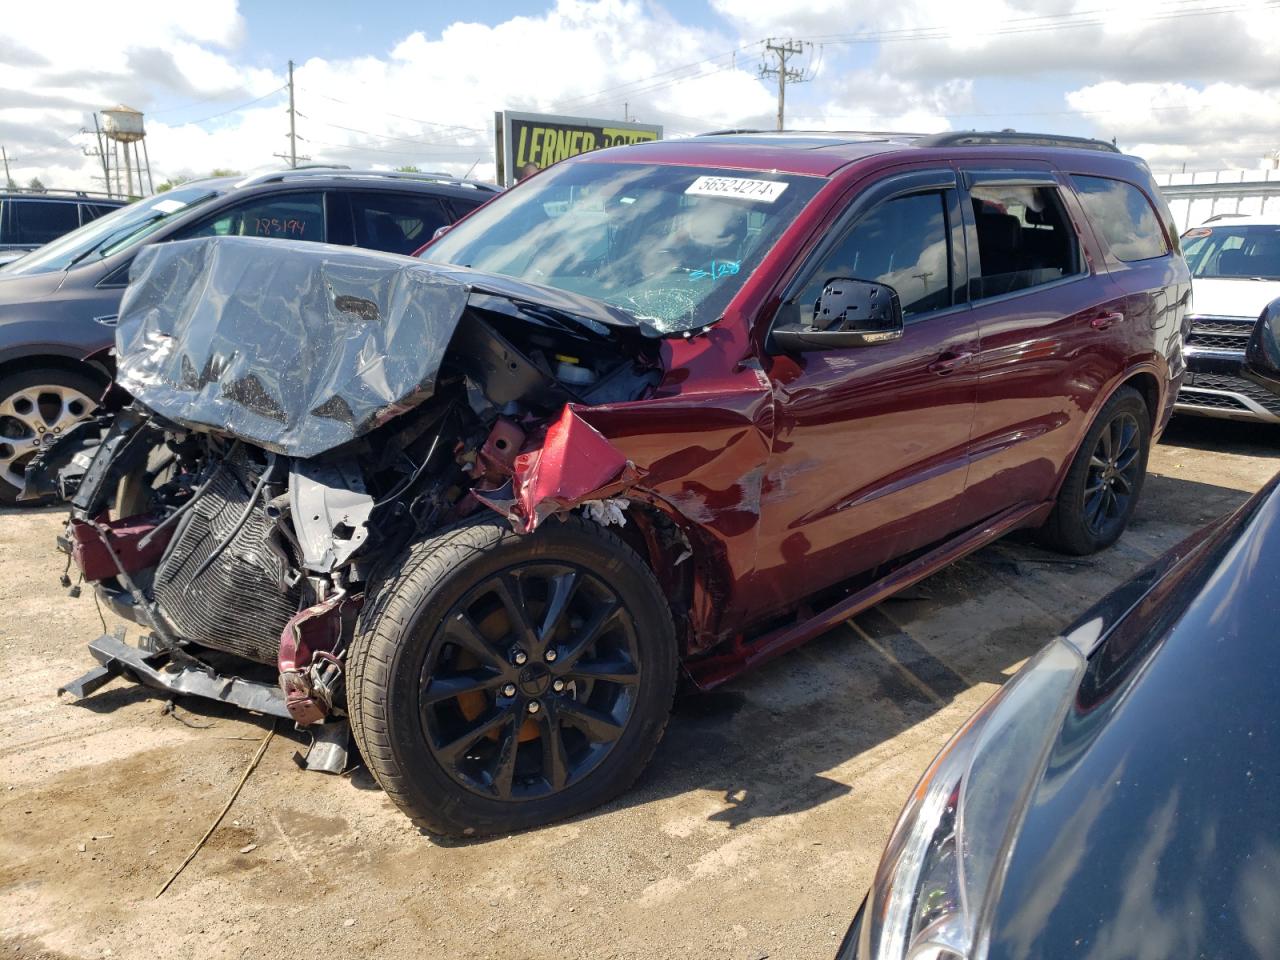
(122, 126)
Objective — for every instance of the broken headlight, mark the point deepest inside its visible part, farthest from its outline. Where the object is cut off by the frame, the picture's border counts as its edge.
(946, 855)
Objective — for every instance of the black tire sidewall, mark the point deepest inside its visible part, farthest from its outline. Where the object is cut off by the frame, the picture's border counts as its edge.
(1068, 527)
(448, 806)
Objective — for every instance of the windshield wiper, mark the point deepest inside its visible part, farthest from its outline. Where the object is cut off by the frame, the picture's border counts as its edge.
(112, 237)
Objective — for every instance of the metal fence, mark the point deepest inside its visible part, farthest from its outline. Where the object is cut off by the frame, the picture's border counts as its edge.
(1195, 197)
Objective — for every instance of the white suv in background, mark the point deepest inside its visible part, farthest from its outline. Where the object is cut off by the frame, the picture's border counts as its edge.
(1235, 273)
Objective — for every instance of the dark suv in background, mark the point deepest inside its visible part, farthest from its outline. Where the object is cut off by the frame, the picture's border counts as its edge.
(58, 304)
(30, 220)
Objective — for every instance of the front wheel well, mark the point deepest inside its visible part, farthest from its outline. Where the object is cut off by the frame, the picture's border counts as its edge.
(54, 362)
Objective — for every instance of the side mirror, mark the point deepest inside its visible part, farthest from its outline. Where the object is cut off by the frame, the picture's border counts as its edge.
(1262, 355)
(441, 231)
(850, 313)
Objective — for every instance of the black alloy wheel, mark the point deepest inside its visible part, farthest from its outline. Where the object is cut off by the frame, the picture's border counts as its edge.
(1104, 479)
(529, 681)
(500, 681)
(1114, 471)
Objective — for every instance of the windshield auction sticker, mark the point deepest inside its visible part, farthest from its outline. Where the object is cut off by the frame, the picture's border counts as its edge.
(764, 191)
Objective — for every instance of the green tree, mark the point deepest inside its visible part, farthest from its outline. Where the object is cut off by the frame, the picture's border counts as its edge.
(223, 172)
(35, 185)
(174, 181)
(408, 169)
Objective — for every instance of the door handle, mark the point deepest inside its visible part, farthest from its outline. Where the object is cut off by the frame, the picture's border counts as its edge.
(949, 362)
(1104, 320)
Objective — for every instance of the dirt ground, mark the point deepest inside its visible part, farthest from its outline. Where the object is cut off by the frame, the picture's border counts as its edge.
(754, 833)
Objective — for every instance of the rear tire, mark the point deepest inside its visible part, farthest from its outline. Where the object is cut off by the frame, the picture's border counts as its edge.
(1104, 480)
(462, 715)
(35, 405)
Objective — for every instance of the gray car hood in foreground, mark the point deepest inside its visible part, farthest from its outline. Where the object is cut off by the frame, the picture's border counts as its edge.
(296, 347)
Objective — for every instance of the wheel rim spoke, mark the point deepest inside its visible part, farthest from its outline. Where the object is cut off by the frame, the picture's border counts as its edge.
(1123, 482)
(591, 632)
(563, 587)
(462, 632)
(508, 590)
(459, 745)
(596, 724)
(504, 766)
(439, 689)
(613, 670)
(555, 762)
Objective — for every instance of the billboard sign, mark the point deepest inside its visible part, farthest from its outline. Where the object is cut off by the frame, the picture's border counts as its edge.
(542, 139)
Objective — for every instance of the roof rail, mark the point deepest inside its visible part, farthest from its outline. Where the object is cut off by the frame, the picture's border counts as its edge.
(725, 133)
(973, 138)
(67, 192)
(319, 170)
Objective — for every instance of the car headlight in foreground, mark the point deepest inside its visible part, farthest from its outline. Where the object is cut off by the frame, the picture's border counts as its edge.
(947, 853)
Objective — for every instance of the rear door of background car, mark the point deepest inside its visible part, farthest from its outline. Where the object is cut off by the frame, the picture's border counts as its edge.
(870, 443)
(1042, 312)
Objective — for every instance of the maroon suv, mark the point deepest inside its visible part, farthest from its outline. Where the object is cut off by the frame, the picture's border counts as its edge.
(666, 409)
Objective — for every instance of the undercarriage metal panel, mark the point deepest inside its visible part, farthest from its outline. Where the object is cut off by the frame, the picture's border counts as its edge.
(161, 671)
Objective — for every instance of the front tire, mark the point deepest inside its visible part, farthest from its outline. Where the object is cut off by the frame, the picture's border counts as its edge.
(1102, 485)
(37, 407)
(500, 681)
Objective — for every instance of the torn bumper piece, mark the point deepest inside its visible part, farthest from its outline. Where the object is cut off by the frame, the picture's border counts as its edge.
(161, 670)
(575, 463)
(181, 676)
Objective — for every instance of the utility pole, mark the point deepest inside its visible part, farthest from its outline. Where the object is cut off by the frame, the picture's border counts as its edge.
(7, 179)
(784, 51)
(292, 155)
(293, 132)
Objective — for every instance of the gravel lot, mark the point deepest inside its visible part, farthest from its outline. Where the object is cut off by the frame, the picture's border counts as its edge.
(755, 832)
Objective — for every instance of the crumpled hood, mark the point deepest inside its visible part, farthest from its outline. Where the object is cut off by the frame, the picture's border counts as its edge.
(1230, 297)
(296, 347)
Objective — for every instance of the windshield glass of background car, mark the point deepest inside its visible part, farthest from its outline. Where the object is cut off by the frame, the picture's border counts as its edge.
(670, 245)
(111, 233)
(1243, 252)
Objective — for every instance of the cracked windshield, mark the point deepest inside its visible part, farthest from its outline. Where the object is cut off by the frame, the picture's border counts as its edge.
(669, 244)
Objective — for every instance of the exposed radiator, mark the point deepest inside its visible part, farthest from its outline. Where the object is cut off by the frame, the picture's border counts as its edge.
(237, 604)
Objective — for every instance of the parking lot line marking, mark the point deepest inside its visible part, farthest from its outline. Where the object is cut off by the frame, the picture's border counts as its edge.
(913, 656)
(908, 674)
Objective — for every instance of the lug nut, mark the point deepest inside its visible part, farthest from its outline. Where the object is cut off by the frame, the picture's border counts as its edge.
(558, 686)
(551, 654)
(534, 706)
(520, 658)
(509, 690)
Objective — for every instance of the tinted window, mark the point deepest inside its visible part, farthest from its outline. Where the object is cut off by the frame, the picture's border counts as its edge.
(1024, 239)
(462, 207)
(1123, 216)
(902, 242)
(396, 222)
(1242, 252)
(289, 216)
(37, 222)
(92, 211)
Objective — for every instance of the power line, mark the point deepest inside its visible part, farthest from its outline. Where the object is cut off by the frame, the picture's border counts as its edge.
(398, 116)
(235, 109)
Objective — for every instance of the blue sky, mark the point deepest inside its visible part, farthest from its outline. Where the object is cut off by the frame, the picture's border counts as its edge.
(1193, 82)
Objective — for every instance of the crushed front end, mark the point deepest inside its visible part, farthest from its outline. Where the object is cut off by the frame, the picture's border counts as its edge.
(301, 414)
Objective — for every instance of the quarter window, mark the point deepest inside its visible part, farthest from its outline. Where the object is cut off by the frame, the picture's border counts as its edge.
(1124, 216)
(902, 243)
(290, 216)
(1024, 239)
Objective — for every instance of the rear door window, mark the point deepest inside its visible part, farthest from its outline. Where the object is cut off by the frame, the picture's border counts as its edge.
(287, 216)
(1025, 239)
(1124, 216)
(396, 222)
(36, 222)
